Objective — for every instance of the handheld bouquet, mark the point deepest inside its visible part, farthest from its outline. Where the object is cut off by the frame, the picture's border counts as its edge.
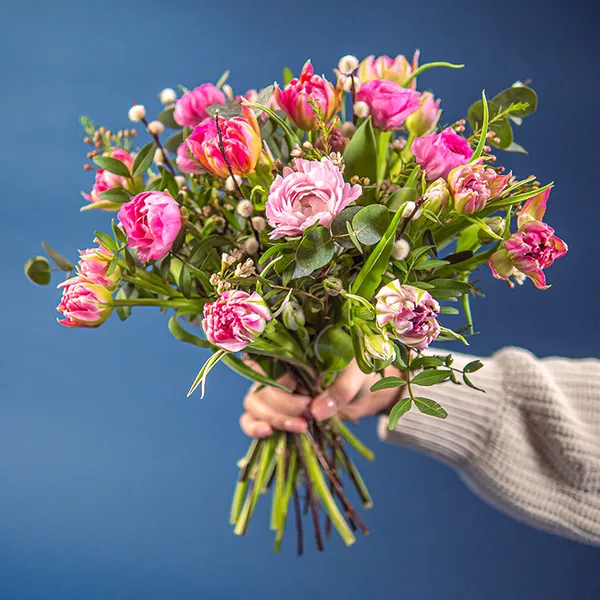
(306, 236)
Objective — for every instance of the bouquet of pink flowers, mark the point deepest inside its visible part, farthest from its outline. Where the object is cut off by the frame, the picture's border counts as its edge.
(305, 226)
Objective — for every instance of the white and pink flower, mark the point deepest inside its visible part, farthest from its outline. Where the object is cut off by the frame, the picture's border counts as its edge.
(93, 266)
(473, 185)
(84, 304)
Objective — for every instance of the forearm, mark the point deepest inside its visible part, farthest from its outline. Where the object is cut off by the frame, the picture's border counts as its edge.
(530, 444)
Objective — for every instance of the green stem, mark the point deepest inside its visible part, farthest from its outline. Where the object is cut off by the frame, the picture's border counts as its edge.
(406, 153)
(383, 145)
(167, 303)
(353, 440)
(427, 66)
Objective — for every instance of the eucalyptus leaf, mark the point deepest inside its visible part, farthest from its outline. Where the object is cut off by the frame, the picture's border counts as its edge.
(333, 348)
(514, 95)
(37, 270)
(226, 111)
(315, 249)
(370, 223)
(338, 226)
(174, 141)
(167, 119)
(60, 261)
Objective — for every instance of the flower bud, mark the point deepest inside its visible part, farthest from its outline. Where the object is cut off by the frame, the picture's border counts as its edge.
(361, 110)
(333, 286)
(244, 208)
(437, 197)
(497, 224)
(379, 347)
(400, 249)
(426, 118)
(259, 223)
(84, 304)
(230, 183)
(292, 315)
(228, 91)
(155, 128)
(180, 179)
(251, 245)
(136, 113)
(167, 96)
(348, 85)
(159, 157)
(348, 129)
(409, 209)
(348, 64)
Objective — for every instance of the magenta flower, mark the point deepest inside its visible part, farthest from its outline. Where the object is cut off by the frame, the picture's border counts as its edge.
(151, 221)
(409, 313)
(186, 163)
(93, 267)
(241, 140)
(294, 98)
(190, 109)
(439, 153)
(106, 180)
(84, 304)
(313, 193)
(396, 69)
(235, 319)
(389, 103)
(426, 118)
(473, 185)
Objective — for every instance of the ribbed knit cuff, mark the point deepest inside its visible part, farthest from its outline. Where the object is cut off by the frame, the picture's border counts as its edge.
(461, 436)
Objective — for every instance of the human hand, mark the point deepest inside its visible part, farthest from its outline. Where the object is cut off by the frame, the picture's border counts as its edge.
(350, 397)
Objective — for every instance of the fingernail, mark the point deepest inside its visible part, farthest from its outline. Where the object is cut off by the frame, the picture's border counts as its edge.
(262, 430)
(294, 426)
(324, 408)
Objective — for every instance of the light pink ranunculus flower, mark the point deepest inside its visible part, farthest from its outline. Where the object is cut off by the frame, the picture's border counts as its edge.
(186, 162)
(106, 180)
(313, 193)
(528, 252)
(409, 313)
(93, 267)
(396, 69)
(241, 141)
(424, 120)
(84, 304)
(473, 185)
(389, 103)
(151, 221)
(235, 320)
(439, 153)
(190, 109)
(293, 99)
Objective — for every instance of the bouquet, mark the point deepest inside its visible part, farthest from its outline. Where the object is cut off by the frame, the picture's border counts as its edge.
(297, 228)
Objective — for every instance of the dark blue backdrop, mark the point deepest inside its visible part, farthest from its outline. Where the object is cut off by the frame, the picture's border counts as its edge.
(112, 484)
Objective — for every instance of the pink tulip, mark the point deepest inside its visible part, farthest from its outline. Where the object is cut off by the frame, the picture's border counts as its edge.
(151, 221)
(426, 118)
(534, 209)
(235, 319)
(528, 252)
(84, 304)
(313, 193)
(93, 267)
(106, 180)
(473, 185)
(409, 313)
(294, 98)
(190, 109)
(396, 69)
(241, 140)
(439, 153)
(389, 103)
(186, 163)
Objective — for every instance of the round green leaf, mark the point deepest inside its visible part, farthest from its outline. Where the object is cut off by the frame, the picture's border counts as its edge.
(503, 131)
(370, 223)
(334, 348)
(338, 226)
(514, 95)
(166, 118)
(315, 249)
(37, 270)
(174, 141)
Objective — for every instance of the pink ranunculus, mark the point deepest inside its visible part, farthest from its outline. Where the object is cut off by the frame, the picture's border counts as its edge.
(473, 185)
(424, 120)
(409, 313)
(186, 163)
(529, 251)
(84, 304)
(313, 193)
(106, 180)
(389, 103)
(241, 141)
(93, 267)
(235, 320)
(439, 153)
(151, 221)
(190, 109)
(396, 69)
(294, 98)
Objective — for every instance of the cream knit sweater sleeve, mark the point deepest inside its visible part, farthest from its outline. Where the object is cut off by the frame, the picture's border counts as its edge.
(530, 445)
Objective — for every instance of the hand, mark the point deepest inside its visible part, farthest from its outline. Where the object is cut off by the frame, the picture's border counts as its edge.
(270, 408)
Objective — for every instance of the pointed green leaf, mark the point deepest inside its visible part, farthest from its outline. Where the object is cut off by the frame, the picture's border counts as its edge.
(430, 407)
(360, 155)
(386, 383)
(112, 165)
(399, 409)
(431, 377)
(60, 261)
(144, 159)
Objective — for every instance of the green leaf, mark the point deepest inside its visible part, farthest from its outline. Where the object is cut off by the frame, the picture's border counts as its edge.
(430, 264)
(174, 142)
(112, 165)
(167, 119)
(430, 407)
(515, 95)
(60, 261)
(449, 310)
(353, 237)
(226, 111)
(360, 155)
(333, 348)
(485, 114)
(185, 281)
(450, 287)
(116, 194)
(386, 383)
(503, 131)
(114, 261)
(338, 226)
(221, 82)
(470, 383)
(430, 377)
(399, 409)
(473, 366)
(287, 76)
(123, 312)
(370, 223)
(37, 270)
(273, 250)
(118, 233)
(144, 159)
(235, 364)
(315, 249)
(168, 182)
(106, 240)
(426, 361)
(514, 147)
(428, 66)
(400, 197)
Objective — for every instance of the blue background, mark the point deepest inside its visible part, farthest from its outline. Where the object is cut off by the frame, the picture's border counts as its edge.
(112, 484)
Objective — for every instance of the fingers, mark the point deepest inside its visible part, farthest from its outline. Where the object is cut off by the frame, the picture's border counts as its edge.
(253, 427)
